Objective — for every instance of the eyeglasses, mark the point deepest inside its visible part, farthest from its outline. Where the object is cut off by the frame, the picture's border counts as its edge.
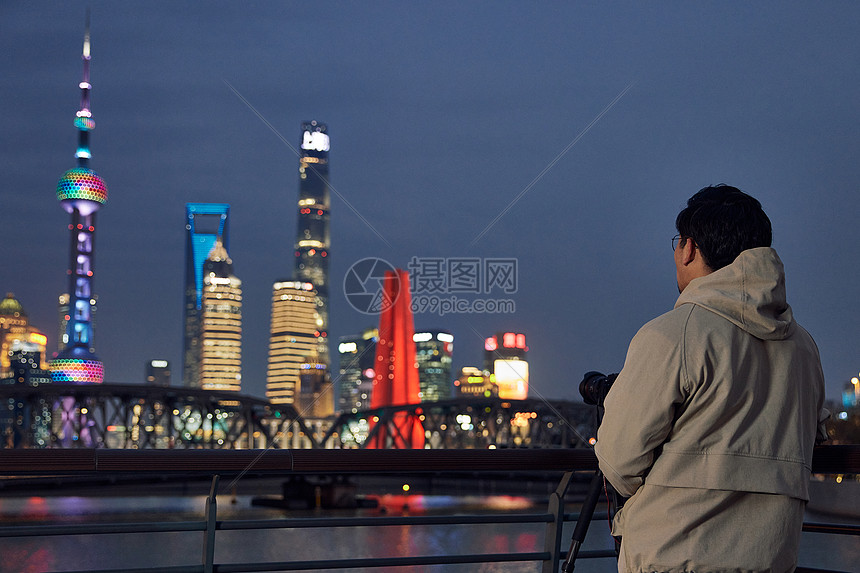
(678, 238)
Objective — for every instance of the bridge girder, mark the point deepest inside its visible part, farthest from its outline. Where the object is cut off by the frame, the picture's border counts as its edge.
(474, 423)
(153, 417)
(142, 417)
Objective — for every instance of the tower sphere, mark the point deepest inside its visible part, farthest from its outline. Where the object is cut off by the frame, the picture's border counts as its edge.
(82, 183)
(85, 123)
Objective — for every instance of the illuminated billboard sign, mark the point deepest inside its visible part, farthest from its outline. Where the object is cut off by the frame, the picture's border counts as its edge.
(514, 340)
(512, 378)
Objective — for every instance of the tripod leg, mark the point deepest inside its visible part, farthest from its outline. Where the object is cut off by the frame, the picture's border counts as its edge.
(585, 515)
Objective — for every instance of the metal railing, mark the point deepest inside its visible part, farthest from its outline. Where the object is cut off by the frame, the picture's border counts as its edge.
(215, 463)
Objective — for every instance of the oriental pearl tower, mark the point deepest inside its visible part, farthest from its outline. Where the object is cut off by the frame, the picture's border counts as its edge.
(81, 193)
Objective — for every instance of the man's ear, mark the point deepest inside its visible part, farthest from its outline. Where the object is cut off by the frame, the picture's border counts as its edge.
(689, 252)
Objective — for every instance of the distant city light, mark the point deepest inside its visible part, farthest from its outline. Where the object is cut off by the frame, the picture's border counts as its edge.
(315, 141)
(345, 347)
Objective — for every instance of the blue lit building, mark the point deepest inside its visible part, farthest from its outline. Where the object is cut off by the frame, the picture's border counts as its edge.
(205, 224)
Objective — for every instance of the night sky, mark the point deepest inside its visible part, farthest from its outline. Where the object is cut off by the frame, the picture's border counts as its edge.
(566, 136)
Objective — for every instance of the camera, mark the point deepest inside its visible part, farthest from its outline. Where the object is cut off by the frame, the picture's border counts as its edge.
(595, 386)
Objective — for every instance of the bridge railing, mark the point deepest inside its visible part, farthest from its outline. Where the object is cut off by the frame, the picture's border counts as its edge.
(215, 463)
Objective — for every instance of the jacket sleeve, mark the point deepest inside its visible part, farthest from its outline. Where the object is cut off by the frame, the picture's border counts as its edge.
(640, 407)
(821, 434)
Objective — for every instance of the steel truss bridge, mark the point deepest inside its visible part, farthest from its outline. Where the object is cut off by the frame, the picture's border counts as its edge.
(474, 423)
(132, 416)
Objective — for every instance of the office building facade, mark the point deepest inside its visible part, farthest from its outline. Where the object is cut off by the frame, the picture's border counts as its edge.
(356, 373)
(21, 345)
(205, 223)
(433, 352)
(293, 338)
(158, 372)
(220, 324)
(316, 395)
(476, 383)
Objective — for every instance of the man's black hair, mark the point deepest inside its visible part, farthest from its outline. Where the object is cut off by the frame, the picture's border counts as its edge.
(723, 221)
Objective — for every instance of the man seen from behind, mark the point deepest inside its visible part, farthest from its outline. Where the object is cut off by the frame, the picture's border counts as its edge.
(710, 426)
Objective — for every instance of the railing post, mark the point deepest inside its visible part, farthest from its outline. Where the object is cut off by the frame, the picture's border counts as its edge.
(209, 532)
(552, 537)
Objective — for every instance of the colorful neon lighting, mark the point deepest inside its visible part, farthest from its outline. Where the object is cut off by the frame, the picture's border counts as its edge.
(82, 183)
(77, 371)
(81, 192)
(85, 123)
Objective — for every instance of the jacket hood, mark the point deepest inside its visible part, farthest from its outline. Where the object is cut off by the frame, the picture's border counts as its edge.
(750, 293)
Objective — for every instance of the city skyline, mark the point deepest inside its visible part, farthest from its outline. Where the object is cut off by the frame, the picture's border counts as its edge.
(566, 139)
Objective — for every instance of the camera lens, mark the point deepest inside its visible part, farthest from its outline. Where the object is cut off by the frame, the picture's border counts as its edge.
(595, 386)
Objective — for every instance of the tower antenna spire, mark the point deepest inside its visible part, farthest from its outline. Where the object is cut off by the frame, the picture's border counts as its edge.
(84, 118)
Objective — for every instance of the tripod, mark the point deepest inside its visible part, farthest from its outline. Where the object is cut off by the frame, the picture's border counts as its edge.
(585, 516)
(594, 387)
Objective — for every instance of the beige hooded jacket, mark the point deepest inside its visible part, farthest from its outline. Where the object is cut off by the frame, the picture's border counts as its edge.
(711, 424)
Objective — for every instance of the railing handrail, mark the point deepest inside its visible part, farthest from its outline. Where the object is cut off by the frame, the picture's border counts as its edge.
(843, 459)
(72, 462)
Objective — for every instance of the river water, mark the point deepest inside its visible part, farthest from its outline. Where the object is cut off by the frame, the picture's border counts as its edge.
(65, 553)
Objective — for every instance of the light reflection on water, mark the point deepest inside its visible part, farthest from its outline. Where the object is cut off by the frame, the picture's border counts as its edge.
(36, 555)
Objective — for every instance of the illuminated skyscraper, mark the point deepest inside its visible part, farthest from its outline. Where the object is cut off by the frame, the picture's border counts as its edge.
(18, 340)
(315, 395)
(357, 356)
(292, 340)
(205, 223)
(81, 192)
(476, 382)
(158, 373)
(221, 324)
(312, 232)
(433, 352)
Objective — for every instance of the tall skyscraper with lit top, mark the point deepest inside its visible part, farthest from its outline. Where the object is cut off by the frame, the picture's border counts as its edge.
(81, 193)
(312, 232)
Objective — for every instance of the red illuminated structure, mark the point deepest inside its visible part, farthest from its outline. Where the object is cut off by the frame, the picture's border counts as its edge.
(396, 381)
